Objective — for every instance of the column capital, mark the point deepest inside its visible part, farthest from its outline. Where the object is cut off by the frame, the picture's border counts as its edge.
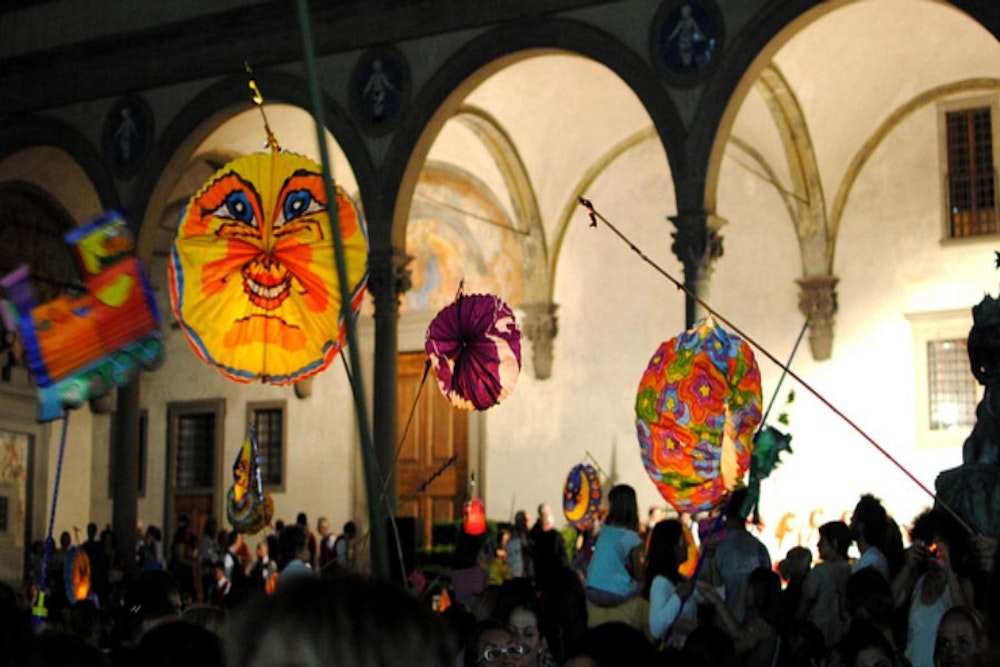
(389, 277)
(697, 243)
(818, 302)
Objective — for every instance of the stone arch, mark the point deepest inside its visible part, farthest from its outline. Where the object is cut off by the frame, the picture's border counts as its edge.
(505, 155)
(35, 150)
(738, 71)
(437, 101)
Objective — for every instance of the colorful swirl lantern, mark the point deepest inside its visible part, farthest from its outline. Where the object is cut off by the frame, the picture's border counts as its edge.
(698, 405)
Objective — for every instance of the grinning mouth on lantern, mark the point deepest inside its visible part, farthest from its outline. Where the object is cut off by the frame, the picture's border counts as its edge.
(266, 282)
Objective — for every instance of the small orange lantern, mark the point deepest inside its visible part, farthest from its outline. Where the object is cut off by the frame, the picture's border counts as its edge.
(474, 512)
(475, 517)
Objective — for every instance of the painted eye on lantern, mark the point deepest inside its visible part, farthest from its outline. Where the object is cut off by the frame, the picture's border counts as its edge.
(297, 204)
(236, 206)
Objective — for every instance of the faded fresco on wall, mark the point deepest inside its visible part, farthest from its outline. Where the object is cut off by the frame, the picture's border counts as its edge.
(13, 482)
(458, 232)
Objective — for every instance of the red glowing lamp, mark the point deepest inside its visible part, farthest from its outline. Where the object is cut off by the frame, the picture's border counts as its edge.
(475, 517)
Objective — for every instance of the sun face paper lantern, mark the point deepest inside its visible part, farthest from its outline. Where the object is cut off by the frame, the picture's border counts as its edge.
(697, 407)
(474, 345)
(582, 495)
(253, 275)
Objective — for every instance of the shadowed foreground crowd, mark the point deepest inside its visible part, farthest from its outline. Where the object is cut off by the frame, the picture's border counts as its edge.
(623, 594)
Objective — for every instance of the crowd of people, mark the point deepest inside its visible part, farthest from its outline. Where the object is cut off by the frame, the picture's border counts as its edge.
(623, 592)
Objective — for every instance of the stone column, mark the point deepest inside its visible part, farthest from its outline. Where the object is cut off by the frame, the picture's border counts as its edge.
(124, 466)
(818, 302)
(388, 280)
(540, 327)
(697, 243)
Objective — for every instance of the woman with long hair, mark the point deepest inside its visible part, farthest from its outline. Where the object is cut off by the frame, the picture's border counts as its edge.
(666, 588)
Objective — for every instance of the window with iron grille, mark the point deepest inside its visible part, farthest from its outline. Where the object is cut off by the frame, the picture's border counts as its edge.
(194, 467)
(951, 385)
(971, 174)
(945, 391)
(268, 420)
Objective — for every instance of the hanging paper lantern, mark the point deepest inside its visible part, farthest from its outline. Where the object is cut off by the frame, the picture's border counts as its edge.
(474, 522)
(76, 574)
(474, 345)
(82, 344)
(582, 495)
(248, 507)
(698, 404)
(253, 275)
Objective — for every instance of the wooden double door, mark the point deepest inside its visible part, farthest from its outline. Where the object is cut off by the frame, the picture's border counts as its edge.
(428, 487)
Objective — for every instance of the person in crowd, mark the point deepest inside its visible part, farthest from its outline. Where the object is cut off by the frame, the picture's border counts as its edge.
(519, 547)
(961, 639)
(802, 645)
(208, 552)
(221, 585)
(665, 587)
(302, 520)
(152, 598)
(180, 643)
(56, 580)
(868, 600)
(237, 562)
(563, 608)
(517, 606)
(737, 554)
(614, 643)
(548, 547)
(865, 645)
(213, 618)
(821, 601)
(293, 555)
(709, 646)
(491, 643)
(343, 547)
(469, 571)
(756, 637)
(325, 543)
(345, 621)
(932, 580)
(869, 528)
(183, 559)
(152, 549)
(263, 568)
(116, 566)
(793, 569)
(98, 564)
(615, 572)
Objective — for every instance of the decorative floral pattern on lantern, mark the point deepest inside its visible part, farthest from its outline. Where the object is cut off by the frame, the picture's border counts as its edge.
(582, 495)
(697, 406)
(474, 345)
